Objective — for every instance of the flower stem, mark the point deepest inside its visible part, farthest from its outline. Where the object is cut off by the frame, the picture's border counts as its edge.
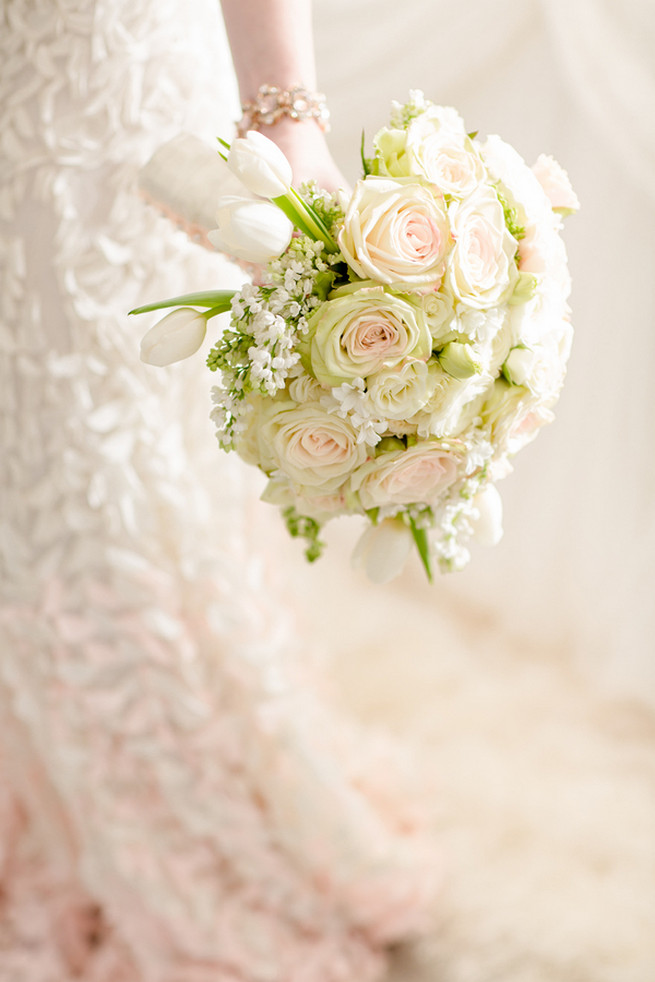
(422, 543)
(218, 300)
(305, 218)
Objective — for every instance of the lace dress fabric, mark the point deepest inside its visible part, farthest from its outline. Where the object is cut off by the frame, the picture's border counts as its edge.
(178, 801)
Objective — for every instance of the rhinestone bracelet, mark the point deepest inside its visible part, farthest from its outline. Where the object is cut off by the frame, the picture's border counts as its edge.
(272, 103)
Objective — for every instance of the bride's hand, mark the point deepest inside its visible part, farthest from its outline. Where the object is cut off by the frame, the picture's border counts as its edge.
(305, 146)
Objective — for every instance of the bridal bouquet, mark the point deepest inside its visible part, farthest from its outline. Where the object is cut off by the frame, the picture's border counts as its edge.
(405, 340)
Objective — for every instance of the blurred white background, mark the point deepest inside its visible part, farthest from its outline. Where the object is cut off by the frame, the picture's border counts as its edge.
(576, 569)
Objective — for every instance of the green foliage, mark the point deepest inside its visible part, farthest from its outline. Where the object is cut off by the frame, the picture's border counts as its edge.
(230, 355)
(218, 300)
(422, 544)
(402, 115)
(323, 283)
(325, 206)
(366, 161)
(301, 526)
(513, 227)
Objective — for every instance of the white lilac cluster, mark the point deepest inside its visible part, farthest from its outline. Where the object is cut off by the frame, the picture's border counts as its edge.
(259, 353)
(393, 367)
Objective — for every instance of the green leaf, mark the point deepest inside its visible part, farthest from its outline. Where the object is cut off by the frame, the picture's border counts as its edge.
(207, 298)
(423, 547)
(323, 283)
(305, 218)
(513, 227)
(291, 211)
(225, 145)
(366, 164)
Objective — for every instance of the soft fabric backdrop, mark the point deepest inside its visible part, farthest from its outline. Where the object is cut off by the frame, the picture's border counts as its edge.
(576, 569)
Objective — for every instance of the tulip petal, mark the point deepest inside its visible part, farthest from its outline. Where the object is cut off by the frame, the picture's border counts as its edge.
(177, 336)
(488, 529)
(383, 549)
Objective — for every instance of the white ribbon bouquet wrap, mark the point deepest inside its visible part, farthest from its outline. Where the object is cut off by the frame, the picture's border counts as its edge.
(404, 341)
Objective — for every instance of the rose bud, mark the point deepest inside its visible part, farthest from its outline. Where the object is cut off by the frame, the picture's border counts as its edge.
(458, 360)
(519, 365)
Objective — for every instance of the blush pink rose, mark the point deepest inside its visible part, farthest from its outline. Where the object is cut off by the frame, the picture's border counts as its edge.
(312, 448)
(404, 477)
(396, 231)
(555, 182)
(481, 267)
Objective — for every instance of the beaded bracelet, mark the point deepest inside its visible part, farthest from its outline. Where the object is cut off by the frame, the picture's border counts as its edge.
(272, 103)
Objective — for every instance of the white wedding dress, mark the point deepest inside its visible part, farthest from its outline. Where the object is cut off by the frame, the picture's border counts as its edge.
(179, 801)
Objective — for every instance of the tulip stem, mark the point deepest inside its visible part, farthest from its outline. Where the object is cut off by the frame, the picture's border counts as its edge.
(303, 215)
(218, 300)
(305, 218)
(219, 309)
(421, 540)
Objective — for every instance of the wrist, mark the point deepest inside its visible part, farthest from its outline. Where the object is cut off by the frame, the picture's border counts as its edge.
(274, 106)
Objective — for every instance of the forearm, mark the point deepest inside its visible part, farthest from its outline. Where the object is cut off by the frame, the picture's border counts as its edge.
(271, 43)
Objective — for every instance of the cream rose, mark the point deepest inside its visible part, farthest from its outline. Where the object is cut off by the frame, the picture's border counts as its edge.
(404, 477)
(438, 149)
(452, 403)
(481, 267)
(320, 507)
(442, 120)
(525, 428)
(396, 232)
(438, 308)
(310, 447)
(541, 250)
(540, 369)
(503, 411)
(399, 393)
(305, 389)
(363, 331)
(456, 171)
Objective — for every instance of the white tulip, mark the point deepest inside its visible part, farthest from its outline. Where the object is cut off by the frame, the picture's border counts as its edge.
(252, 230)
(488, 527)
(177, 336)
(260, 165)
(383, 549)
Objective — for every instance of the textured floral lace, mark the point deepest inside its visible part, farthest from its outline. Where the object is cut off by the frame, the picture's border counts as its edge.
(179, 803)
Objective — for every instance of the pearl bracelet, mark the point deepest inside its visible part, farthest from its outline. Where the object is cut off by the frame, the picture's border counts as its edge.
(272, 103)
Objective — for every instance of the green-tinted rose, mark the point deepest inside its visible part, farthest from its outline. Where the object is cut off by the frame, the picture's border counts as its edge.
(390, 159)
(366, 330)
(310, 447)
